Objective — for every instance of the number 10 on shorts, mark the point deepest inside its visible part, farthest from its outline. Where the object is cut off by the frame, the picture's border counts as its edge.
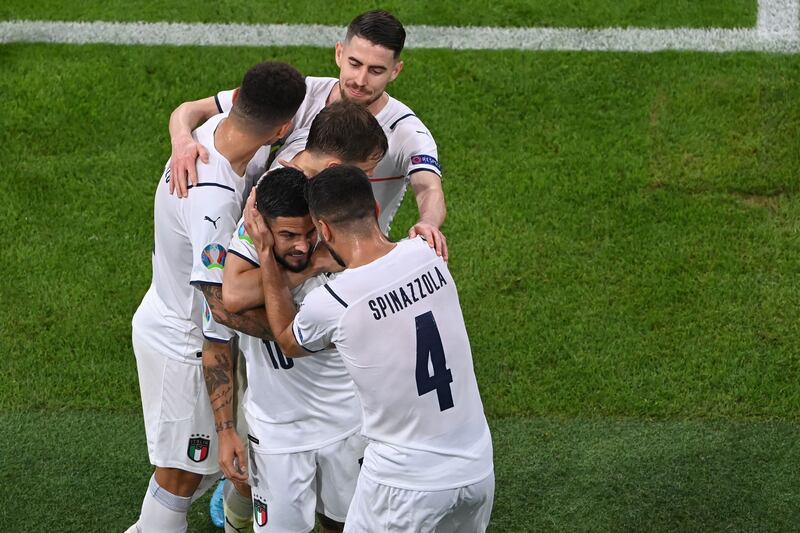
(429, 346)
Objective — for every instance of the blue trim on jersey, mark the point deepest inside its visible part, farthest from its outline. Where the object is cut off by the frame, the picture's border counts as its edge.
(214, 339)
(221, 186)
(219, 106)
(237, 254)
(196, 282)
(431, 169)
(399, 119)
(335, 295)
(301, 345)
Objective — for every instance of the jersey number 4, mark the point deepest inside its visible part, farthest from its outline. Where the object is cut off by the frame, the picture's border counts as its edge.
(429, 347)
(278, 359)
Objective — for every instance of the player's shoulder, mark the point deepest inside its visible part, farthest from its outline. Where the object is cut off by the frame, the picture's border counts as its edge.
(319, 84)
(322, 296)
(398, 117)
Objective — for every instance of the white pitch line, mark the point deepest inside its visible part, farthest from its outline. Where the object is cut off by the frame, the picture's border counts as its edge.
(777, 31)
(779, 19)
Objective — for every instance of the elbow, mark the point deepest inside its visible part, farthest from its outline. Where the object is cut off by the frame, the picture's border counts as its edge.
(231, 302)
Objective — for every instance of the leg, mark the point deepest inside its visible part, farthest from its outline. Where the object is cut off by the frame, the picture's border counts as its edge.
(473, 508)
(284, 491)
(180, 438)
(238, 504)
(337, 475)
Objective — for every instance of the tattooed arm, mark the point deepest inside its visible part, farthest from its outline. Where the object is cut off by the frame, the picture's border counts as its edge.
(218, 374)
(252, 321)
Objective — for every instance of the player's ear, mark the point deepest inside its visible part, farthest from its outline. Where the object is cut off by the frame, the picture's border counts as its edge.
(398, 67)
(283, 129)
(338, 54)
(333, 162)
(324, 230)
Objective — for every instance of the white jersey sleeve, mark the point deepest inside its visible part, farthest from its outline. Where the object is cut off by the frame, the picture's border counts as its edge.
(314, 326)
(242, 246)
(224, 100)
(418, 148)
(211, 225)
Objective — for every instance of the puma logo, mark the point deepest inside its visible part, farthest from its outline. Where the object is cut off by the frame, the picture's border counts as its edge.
(212, 221)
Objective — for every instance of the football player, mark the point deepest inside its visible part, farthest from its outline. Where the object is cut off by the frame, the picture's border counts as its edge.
(394, 317)
(191, 239)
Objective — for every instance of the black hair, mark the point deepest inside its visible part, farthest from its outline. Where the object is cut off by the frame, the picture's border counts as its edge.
(342, 195)
(381, 28)
(269, 96)
(348, 131)
(281, 193)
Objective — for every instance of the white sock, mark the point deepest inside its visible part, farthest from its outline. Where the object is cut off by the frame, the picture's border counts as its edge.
(162, 511)
(238, 510)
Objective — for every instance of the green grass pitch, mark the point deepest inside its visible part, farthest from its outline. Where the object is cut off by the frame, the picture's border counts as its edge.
(623, 229)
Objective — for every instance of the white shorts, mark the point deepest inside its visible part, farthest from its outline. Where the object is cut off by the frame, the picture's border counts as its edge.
(178, 420)
(289, 487)
(378, 508)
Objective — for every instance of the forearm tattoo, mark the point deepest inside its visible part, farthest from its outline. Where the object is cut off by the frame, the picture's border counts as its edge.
(219, 383)
(221, 426)
(252, 321)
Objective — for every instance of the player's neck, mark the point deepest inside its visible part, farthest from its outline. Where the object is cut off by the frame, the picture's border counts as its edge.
(235, 145)
(360, 250)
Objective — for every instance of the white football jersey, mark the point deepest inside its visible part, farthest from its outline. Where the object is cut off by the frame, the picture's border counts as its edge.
(191, 240)
(299, 404)
(398, 325)
(411, 145)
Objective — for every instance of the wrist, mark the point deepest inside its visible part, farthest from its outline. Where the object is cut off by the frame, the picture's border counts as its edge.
(225, 427)
(181, 140)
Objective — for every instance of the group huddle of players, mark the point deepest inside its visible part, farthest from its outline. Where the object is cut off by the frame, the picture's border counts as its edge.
(285, 341)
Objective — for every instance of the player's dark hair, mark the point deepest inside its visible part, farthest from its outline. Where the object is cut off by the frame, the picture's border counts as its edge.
(348, 131)
(269, 96)
(281, 193)
(342, 195)
(379, 27)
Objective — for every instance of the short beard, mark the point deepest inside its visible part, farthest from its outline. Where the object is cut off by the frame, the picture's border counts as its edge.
(336, 257)
(368, 103)
(293, 268)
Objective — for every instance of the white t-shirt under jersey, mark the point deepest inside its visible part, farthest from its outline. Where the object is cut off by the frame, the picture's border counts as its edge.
(300, 404)
(191, 239)
(398, 326)
(411, 145)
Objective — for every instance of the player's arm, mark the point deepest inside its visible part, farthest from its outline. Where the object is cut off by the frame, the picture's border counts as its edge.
(429, 194)
(281, 310)
(185, 151)
(241, 285)
(219, 378)
(253, 322)
(242, 288)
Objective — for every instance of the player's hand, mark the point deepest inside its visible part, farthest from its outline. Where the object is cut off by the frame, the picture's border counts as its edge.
(322, 261)
(183, 165)
(232, 458)
(431, 234)
(289, 164)
(255, 225)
